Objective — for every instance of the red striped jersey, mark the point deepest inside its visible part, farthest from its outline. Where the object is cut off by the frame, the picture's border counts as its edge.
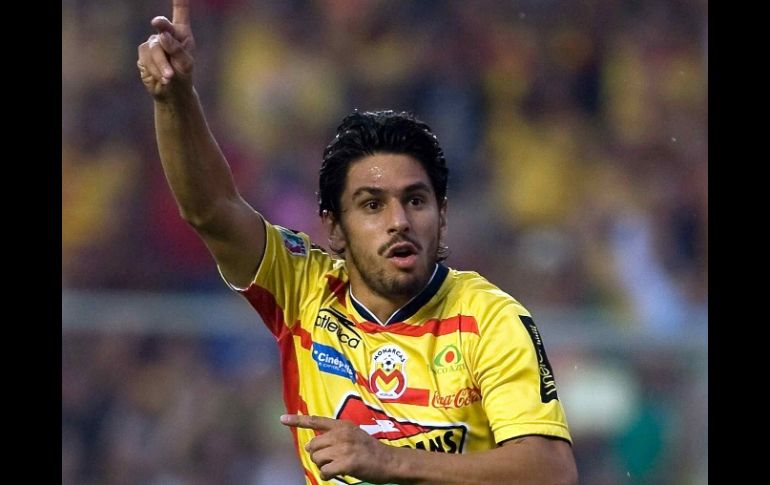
(458, 369)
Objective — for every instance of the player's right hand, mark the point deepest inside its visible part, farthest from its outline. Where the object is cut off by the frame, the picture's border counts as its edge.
(166, 59)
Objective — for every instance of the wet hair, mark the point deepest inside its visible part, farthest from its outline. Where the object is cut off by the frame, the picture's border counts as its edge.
(370, 132)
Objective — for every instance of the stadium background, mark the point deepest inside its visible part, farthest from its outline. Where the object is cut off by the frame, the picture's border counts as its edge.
(576, 133)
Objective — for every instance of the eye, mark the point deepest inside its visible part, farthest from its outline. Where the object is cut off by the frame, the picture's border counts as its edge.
(372, 205)
(416, 201)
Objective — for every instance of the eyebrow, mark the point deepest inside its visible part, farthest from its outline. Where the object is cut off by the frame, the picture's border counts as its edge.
(415, 187)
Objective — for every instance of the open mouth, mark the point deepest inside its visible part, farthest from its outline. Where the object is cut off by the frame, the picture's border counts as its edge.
(403, 255)
(401, 250)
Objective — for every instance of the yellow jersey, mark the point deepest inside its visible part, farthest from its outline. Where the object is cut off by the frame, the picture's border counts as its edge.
(460, 368)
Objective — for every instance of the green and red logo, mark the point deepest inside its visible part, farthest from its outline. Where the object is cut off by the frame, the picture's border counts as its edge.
(450, 355)
(450, 359)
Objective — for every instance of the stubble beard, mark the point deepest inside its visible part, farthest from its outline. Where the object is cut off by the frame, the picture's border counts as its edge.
(396, 284)
(403, 285)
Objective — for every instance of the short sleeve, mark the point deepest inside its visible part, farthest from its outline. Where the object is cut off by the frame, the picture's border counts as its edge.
(287, 277)
(516, 380)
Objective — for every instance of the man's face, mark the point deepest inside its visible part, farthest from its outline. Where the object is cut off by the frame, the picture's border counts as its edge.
(390, 225)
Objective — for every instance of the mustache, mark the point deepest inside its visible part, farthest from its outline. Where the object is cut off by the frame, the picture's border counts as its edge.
(396, 240)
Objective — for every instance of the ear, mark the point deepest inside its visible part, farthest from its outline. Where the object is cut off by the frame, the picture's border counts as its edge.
(337, 239)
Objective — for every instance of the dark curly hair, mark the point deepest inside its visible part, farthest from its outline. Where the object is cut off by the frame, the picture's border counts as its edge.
(370, 132)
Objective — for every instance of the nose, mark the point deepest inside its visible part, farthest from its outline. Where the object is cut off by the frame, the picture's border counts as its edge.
(398, 219)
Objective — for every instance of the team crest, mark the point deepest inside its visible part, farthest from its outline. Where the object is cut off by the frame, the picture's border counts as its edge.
(387, 379)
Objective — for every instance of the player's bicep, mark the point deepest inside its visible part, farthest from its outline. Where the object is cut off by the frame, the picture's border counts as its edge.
(236, 239)
(545, 453)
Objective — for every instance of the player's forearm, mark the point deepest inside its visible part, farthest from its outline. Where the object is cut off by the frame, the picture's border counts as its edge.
(516, 464)
(195, 167)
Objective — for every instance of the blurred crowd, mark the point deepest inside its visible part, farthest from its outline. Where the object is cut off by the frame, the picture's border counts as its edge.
(154, 410)
(576, 135)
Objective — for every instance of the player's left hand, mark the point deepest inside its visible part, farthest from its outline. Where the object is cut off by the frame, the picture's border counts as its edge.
(342, 448)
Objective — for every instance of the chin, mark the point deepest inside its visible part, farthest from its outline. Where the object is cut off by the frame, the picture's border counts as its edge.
(409, 283)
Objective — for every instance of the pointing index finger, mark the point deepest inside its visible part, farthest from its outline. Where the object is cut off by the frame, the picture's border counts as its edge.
(181, 12)
(318, 423)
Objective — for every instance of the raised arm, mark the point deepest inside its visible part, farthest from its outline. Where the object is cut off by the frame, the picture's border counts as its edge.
(197, 171)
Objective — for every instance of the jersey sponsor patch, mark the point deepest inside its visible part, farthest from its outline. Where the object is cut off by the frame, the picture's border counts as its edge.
(464, 397)
(332, 361)
(292, 242)
(547, 382)
(336, 323)
(387, 379)
(449, 359)
(449, 438)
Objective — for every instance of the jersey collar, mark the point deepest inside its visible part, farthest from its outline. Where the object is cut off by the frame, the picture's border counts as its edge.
(412, 306)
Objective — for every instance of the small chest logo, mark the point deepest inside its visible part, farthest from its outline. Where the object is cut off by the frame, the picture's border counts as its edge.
(449, 359)
(335, 322)
(388, 376)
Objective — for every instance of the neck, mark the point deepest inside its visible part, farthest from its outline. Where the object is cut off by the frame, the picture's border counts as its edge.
(381, 306)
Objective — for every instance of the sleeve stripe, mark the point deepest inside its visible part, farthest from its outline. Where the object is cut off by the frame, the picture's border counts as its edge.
(264, 302)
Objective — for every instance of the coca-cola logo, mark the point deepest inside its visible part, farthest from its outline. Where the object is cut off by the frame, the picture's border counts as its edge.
(464, 397)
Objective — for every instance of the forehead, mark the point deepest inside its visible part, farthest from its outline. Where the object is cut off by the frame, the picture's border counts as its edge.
(389, 172)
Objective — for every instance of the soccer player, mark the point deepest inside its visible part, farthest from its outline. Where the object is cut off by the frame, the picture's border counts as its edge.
(396, 368)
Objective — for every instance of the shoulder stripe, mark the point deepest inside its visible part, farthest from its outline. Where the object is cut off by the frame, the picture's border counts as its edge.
(305, 339)
(337, 287)
(290, 367)
(268, 308)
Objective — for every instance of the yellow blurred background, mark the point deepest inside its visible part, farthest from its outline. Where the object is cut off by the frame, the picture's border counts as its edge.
(576, 135)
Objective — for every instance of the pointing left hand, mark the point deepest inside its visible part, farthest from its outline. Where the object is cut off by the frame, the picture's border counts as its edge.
(342, 448)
